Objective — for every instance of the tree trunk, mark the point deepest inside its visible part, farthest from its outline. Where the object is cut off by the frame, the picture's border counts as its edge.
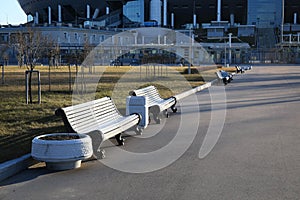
(2, 78)
(49, 76)
(70, 79)
(29, 83)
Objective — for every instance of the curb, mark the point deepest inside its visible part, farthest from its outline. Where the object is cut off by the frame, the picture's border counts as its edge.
(195, 90)
(12, 167)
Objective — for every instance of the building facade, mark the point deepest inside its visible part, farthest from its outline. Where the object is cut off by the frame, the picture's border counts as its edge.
(264, 13)
(68, 11)
(135, 11)
(72, 24)
(165, 12)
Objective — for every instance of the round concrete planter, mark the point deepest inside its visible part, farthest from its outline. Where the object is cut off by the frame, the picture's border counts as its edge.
(62, 154)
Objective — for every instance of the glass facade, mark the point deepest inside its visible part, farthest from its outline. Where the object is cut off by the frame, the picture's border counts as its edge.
(264, 13)
(134, 10)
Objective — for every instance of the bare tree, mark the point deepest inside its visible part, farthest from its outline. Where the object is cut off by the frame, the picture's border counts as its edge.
(3, 53)
(52, 52)
(31, 47)
(4, 57)
(87, 49)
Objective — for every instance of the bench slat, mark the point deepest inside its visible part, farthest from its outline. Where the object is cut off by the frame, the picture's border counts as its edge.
(90, 113)
(88, 104)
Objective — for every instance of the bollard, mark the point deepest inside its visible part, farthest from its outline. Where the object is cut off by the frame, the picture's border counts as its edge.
(139, 105)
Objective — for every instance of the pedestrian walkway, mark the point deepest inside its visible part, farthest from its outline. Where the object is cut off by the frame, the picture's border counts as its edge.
(257, 155)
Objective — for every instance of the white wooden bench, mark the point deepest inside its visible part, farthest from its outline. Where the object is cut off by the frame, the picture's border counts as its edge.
(156, 104)
(100, 119)
(224, 76)
(242, 69)
(239, 69)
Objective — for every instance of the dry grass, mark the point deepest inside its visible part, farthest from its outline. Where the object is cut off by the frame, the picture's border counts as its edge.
(21, 122)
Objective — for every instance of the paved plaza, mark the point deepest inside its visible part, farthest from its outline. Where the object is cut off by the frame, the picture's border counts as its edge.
(257, 155)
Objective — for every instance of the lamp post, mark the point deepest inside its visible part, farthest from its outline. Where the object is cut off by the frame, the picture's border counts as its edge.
(282, 21)
(229, 41)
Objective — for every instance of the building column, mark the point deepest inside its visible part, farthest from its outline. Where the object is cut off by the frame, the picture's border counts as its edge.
(96, 13)
(172, 20)
(219, 11)
(155, 11)
(165, 12)
(49, 15)
(88, 11)
(231, 19)
(229, 52)
(59, 14)
(195, 21)
(36, 18)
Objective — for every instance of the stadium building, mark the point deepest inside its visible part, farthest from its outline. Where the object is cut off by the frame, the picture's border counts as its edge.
(165, 12)
(263, 24)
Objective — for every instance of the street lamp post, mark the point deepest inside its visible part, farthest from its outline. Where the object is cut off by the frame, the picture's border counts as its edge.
(282, 21)
(229, 41)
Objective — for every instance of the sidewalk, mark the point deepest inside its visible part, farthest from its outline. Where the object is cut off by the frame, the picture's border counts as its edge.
(256, 157)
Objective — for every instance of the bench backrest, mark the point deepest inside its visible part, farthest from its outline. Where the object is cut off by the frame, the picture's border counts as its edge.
(150, 91)
(86, 117)
(219, 74)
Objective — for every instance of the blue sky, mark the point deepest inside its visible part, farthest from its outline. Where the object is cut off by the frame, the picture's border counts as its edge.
(11, 12)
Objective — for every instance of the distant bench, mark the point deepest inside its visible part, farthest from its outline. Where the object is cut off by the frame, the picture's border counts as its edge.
(242, 69)
(239, 69)
(156, 104)
(224, 76)
(100, 119)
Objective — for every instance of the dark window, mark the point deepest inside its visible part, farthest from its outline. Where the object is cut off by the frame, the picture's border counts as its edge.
(198, 6)
(212, 6)
(185, 6)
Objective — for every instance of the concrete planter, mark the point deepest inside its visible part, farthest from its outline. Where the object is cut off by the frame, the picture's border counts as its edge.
(64, 152)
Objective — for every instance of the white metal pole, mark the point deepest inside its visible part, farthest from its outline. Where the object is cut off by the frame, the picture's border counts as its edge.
(165, 12)
(36, 18)
(190, 53)
(219, 11)
(229, 52)
(231, 19)
(49, 15)
(172, 20)
(282, 21)
(96, 13)
(59, 13)
(88, 11)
